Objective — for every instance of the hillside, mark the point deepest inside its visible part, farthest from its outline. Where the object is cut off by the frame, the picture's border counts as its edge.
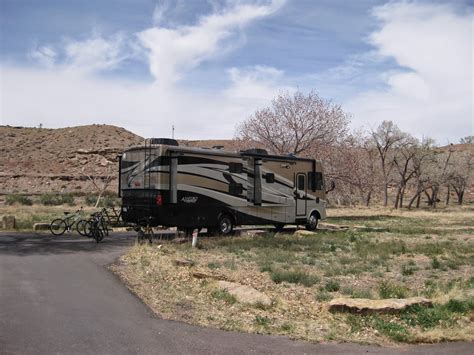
(37, 160)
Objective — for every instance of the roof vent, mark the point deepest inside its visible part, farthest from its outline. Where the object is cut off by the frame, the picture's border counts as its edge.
(165, 141)
(257, 151)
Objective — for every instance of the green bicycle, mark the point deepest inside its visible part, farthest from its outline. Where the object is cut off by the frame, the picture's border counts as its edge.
(60, 225)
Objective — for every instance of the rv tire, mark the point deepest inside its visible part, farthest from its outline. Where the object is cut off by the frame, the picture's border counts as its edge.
(279, 226)
(312, 222)
(226, 225)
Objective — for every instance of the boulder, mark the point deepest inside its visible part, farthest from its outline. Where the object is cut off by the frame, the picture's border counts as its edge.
(204, 275)
(184, 262)
(329, 226)
(41, 226)
(303, 233)
(365, 306)
(245, 294)
(9, 222)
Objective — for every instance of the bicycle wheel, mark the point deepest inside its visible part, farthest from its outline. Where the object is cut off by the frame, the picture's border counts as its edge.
(83, 227)
(97, 234)
(58, 226)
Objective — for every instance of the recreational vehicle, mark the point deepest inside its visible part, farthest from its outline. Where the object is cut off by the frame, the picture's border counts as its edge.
(162, 183)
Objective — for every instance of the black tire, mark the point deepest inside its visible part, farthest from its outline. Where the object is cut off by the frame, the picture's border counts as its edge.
(312, 223)
(97, 234)
(279, 227)
(80, 227)
(58, 227)
(226, 225)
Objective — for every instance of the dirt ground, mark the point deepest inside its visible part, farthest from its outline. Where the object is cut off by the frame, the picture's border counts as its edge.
(379, 253)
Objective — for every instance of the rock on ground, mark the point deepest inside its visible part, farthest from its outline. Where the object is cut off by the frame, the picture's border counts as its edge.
(245, 294)
(41, 226)
(362, 305)
(8, 222)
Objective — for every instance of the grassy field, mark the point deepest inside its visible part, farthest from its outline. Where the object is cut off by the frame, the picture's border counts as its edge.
(27, 216)
(383, 254)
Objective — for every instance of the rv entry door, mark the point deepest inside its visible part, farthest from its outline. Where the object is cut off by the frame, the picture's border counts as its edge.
(300, 194)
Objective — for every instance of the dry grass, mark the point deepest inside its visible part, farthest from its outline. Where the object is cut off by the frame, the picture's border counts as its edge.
(27, 216)
(390, 254)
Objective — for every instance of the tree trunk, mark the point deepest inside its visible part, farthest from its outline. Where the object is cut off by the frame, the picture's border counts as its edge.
(385, 195)
(418, 201)
(448, 195)
(460, 197)
(415, 197)
(435, 196)
(397, 198)
(402, 192)
(367, 200)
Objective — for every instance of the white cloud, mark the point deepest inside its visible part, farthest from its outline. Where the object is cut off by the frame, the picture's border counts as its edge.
(69, 93)
(93, 54)
(172, 52)
(433, 96)
(44, 55)
(67, 98)
(258, 83)
(160, 11)
(96, 53)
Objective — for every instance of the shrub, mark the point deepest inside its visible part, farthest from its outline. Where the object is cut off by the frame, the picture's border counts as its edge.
(91, 200)
(323, 296)
(391, 290)
(213, 265)
(20, 199)
(408, 270)
(295, 277)
(50, 200)
(56, 200)
(435, 263)
(67, 199)
(332, 286)
(223, 295)
(261, 320)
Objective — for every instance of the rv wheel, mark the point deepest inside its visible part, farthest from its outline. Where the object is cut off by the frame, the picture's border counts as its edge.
(312, 223)
(279, 227)
(226, 225)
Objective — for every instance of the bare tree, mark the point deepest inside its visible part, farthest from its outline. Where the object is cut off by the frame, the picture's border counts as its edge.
(385, 137)
(295, 123)
(467, 140)
(406, 151)
(461, 171)
(101, 182)
(422, 161)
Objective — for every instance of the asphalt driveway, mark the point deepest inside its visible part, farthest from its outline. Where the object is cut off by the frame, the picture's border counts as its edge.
(56, 296)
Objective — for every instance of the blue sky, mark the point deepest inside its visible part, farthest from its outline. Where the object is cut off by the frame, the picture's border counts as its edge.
(204, 66)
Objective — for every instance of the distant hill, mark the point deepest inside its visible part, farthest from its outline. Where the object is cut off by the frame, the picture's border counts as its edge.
(37, 160)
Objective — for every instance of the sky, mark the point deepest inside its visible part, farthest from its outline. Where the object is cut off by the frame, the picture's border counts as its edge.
(204, 66)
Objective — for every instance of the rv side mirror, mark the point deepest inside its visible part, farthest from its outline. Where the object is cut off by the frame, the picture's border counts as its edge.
(333, 186)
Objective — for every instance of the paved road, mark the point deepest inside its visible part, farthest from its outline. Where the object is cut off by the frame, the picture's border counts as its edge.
(56, 296)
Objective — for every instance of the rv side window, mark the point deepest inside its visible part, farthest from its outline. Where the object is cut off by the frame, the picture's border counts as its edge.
(319, 181)
(311, 181)
(269, 178)
(315, 181)
(301, 182)
(235, 189)
(235, 168)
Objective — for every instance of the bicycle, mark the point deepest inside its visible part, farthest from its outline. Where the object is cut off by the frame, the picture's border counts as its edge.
(59, 225)
(98, 226)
